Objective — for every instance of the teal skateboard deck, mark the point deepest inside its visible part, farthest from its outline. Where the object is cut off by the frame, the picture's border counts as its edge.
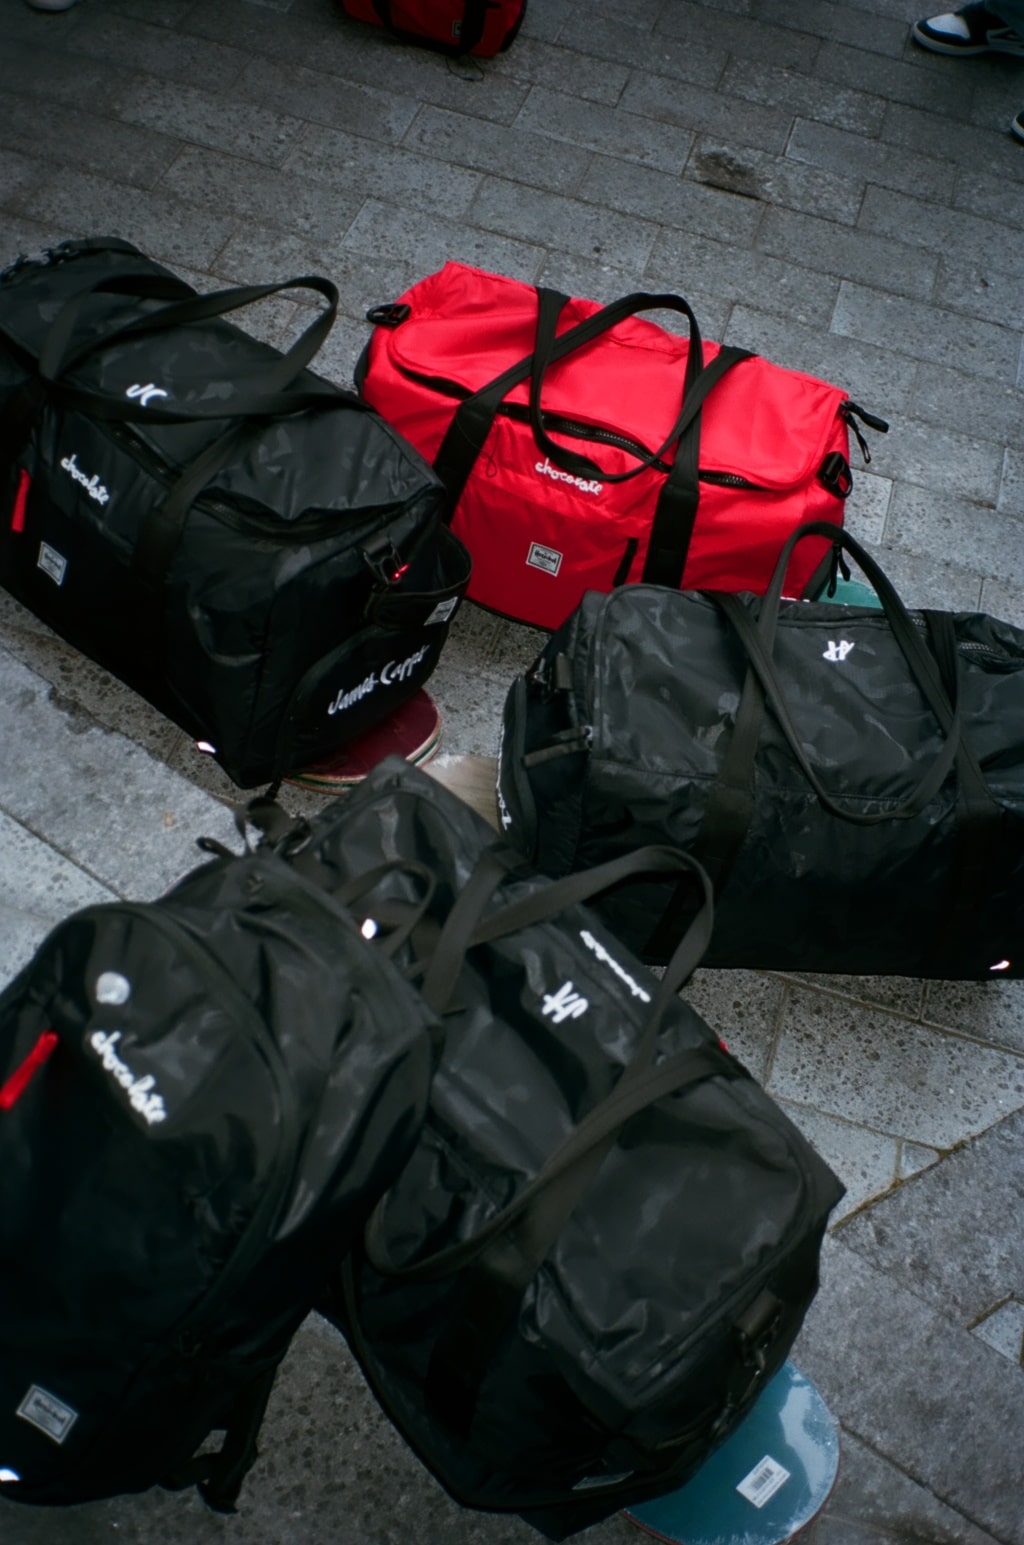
(770, 1478)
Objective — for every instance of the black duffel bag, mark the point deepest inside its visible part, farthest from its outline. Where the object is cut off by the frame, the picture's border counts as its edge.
(242, 542)
(851, 778)
(607, 1234)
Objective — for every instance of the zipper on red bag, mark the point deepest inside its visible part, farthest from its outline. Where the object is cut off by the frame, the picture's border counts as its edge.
(20, 501)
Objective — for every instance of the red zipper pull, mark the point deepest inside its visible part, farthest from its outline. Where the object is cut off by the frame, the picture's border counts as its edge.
(22, 1076)
(20, 501)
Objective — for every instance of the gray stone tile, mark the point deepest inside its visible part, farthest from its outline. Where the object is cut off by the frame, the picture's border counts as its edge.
(599, 281)
(1011, 486)
(836, 23)
(896, 80)
(806, 95)
(38, 889)
(316, 96)
(926, 332)
(867, 508)
(706, 112)
(875, 1503)
(552, 221)
(740, 35)
(352, 165)
(995, 198)
(742, 1007)
(697, 63)
(754, 174)
(67, 137)
(105, 804)
(960, 237)
(986, 1011)
(907, 128)
(1003, 1328)
(672, 201)
(171, 55)
(618, 131)
(204, 117)
(849, 254)
(268, 195)
(981, 291)
(166, 229)
(913, 1158)
(848, 156)
(882, 1358)
(969, 1196)
(904, 995)
(18, 171)
(876, 378)
(429, 242)
(731, 273)
(951, 400)
(950, 464)
(866, 1162)
(890, 1075)
(534, 159)
(926, 521)
(563, 69)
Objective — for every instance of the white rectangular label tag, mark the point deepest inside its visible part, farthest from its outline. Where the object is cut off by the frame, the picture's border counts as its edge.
(763, 1481)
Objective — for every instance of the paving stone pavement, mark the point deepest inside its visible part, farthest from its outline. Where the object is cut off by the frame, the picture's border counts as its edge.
(822, 191)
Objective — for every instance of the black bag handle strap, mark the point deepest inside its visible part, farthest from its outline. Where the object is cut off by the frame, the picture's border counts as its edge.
(471, 423)
(758, 638)
(56, 356)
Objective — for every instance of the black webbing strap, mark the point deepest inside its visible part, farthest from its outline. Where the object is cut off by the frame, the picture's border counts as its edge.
(219, 1475)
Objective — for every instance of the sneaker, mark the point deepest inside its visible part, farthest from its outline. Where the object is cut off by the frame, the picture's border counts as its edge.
(974, 29)
(1017, 126)
(51, 5)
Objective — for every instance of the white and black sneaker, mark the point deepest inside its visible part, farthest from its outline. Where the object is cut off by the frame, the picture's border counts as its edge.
(1017, 126)
(974, 29)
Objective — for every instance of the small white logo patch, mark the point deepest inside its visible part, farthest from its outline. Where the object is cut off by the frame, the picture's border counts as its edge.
(51, 562)
(837, 651)
(47, 1413)
(586, 485)
(566, 1003)
(92, 485)
(545, 558)
(140, 1091)
(112, 987)
(146, 393)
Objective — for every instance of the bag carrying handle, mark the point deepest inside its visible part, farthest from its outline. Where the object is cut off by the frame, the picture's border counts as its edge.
(757, 640)
(542, 1206)
(266, 396)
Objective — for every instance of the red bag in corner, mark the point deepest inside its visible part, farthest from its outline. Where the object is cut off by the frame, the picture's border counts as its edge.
(583, 447)
(481, 27)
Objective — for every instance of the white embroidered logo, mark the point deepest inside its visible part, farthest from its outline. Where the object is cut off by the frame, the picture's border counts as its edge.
(139, 1090)
(92, 485)
(145, 393)
(609, 960)
(585, 485)
(394, 672)
(566, 1003)
(837, 651)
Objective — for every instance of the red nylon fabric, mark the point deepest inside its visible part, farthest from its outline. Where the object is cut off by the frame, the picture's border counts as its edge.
(439, 21)
(539, 536)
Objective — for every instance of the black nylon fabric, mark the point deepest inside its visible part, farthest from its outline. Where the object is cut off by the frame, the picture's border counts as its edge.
(311, 588)
(656, 679)
(238, 1075)
(603, 1381)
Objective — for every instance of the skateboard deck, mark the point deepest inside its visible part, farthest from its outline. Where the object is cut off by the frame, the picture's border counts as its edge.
(412, 731)
(769, 1479)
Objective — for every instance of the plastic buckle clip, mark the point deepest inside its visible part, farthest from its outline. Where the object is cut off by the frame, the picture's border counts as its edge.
(385, 564)
(835, 473)
(390, 315)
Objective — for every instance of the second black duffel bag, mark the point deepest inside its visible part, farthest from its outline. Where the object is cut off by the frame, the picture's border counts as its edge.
(851, 778)
(245, 544)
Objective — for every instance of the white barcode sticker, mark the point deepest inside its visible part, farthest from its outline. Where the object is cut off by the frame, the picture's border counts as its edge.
(763, 1481)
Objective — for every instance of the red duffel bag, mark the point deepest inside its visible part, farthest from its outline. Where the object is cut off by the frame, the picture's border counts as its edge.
(583, 447)
(481, 27)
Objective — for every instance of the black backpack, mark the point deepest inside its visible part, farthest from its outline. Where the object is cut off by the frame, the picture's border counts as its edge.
(200, 1099)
